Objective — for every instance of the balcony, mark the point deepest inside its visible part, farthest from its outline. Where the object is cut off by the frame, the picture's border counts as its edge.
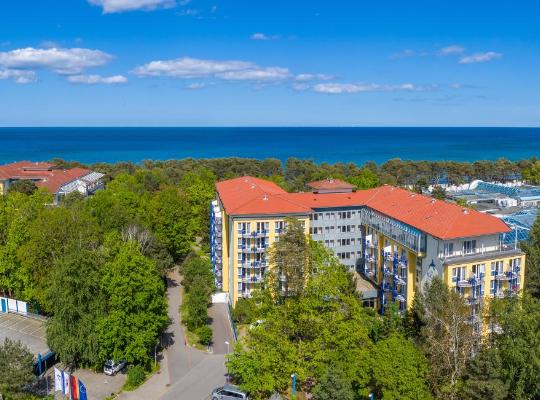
(387, 272)
(400, 280)
(388, 257)
(370, 244)
(479, 255)
(402, 263)
(260, 249)
(462, 282)
(260, 233)
(370, 259)
(246, 264)
(501, 276)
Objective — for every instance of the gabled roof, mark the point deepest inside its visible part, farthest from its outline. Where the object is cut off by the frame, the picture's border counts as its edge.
(248, 195)
(331, 184)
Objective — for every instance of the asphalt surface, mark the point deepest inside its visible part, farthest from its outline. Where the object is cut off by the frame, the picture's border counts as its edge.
(30, 332)
(221, 328)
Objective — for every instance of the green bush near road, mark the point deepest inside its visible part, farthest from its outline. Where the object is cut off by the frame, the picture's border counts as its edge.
(136, 375)
(205, 335)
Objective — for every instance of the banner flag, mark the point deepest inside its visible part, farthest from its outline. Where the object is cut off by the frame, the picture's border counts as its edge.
(67, 385)
(74, 388)
(82, 391)
(58, 381)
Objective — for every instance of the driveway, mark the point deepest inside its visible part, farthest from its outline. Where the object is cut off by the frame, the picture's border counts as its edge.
(30, 332)
(186, 373)
(221, 327)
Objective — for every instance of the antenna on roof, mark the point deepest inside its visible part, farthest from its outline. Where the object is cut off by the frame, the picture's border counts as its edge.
(253, 186)
(265, 197)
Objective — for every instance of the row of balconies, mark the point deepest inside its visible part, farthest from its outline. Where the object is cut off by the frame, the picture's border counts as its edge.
(254, 234)
(254, 264)
(252, 249)
(251, 278)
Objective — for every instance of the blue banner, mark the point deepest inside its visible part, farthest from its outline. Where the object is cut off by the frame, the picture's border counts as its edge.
(82, 391)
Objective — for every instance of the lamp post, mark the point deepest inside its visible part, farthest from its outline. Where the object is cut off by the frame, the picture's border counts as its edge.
(293, 376)
(227, 343)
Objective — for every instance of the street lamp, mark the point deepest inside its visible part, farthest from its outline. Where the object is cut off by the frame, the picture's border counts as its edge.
(227, 343)
(293, 376)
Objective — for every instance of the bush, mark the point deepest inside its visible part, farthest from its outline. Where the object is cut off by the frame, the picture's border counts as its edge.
(135, 377)
(205, 334)
(245, 311)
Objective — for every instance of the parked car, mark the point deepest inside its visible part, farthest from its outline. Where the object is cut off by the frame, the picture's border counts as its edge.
(113, 367)
(229, 392)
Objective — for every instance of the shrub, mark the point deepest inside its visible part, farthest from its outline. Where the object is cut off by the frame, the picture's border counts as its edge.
(205, 334)
(245, 311)
(135, 377)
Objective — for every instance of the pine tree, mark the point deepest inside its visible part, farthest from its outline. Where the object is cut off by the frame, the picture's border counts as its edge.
(532, 267)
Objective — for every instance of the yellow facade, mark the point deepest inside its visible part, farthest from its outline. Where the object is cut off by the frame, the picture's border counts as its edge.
(235, 233)
(491, 279)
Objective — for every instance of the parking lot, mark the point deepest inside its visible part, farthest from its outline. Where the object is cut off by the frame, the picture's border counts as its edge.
(29, 331)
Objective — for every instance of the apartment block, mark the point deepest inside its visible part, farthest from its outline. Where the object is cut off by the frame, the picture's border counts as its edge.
(395, 239)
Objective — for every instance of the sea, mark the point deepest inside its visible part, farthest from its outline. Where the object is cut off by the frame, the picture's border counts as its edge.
(320, 144)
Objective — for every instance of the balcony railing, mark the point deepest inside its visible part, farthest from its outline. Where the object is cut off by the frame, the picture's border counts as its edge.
(479, 254)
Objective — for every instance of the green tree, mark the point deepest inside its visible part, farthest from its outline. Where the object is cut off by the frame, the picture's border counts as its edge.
(17, 212)
(136, 307)
(484, 378)
(171, 221)
(532, 268)
(16, 364)
(438, 193)
(531, 174)
(24, 186)
(291, 261)
(334, 384)
(51, 235)
(365, 179)
(518, 343)
(447, 337)
(398, 370)
(77, 304)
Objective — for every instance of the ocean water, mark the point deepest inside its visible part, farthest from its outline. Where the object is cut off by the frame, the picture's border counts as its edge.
(358, 145)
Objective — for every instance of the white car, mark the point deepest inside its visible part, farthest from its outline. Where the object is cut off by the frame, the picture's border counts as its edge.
(229, 392)
(113, 367)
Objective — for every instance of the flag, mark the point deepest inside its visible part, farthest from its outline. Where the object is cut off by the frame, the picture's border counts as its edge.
(58, 380)
(67, 385)
(82, 391)
(74, 388)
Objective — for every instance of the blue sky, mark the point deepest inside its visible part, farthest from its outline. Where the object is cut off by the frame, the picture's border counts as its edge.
(269, 63)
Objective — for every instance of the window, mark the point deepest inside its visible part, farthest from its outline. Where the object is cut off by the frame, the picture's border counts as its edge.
(479, 270)
(458, 273)
(515, 263)
(469, 246)
(496, 268)
(262, 227)
(327, 215)
(279, 226)
(448, 249)
(244, 227)
(315, 217)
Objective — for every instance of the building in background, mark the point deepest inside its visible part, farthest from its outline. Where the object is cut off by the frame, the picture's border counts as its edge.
(395, 239)
(59, 182)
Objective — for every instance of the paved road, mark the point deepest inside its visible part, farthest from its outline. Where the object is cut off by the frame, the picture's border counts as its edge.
(221, 328)
(186, 373)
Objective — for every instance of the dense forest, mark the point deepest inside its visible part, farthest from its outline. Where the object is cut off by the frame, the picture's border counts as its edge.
(96, 266)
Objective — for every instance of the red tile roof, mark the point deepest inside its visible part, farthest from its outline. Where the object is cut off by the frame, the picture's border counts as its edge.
(331, 184)
(247, 195)
(59, 178)
(436, 217)
(43, 173)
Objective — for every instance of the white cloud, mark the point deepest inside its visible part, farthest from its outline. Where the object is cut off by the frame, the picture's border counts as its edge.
(198, 85)
(256, 74)
(229, 70)
(313, 77)
(62, 61)
(480, 57)
(18, 76)
(341, 88)
(450, 50)
(118, 6)
(187, 67)
(96, 79)
(263, 36)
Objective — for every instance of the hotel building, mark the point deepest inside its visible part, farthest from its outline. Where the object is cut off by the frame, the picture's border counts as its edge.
(395, 239)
